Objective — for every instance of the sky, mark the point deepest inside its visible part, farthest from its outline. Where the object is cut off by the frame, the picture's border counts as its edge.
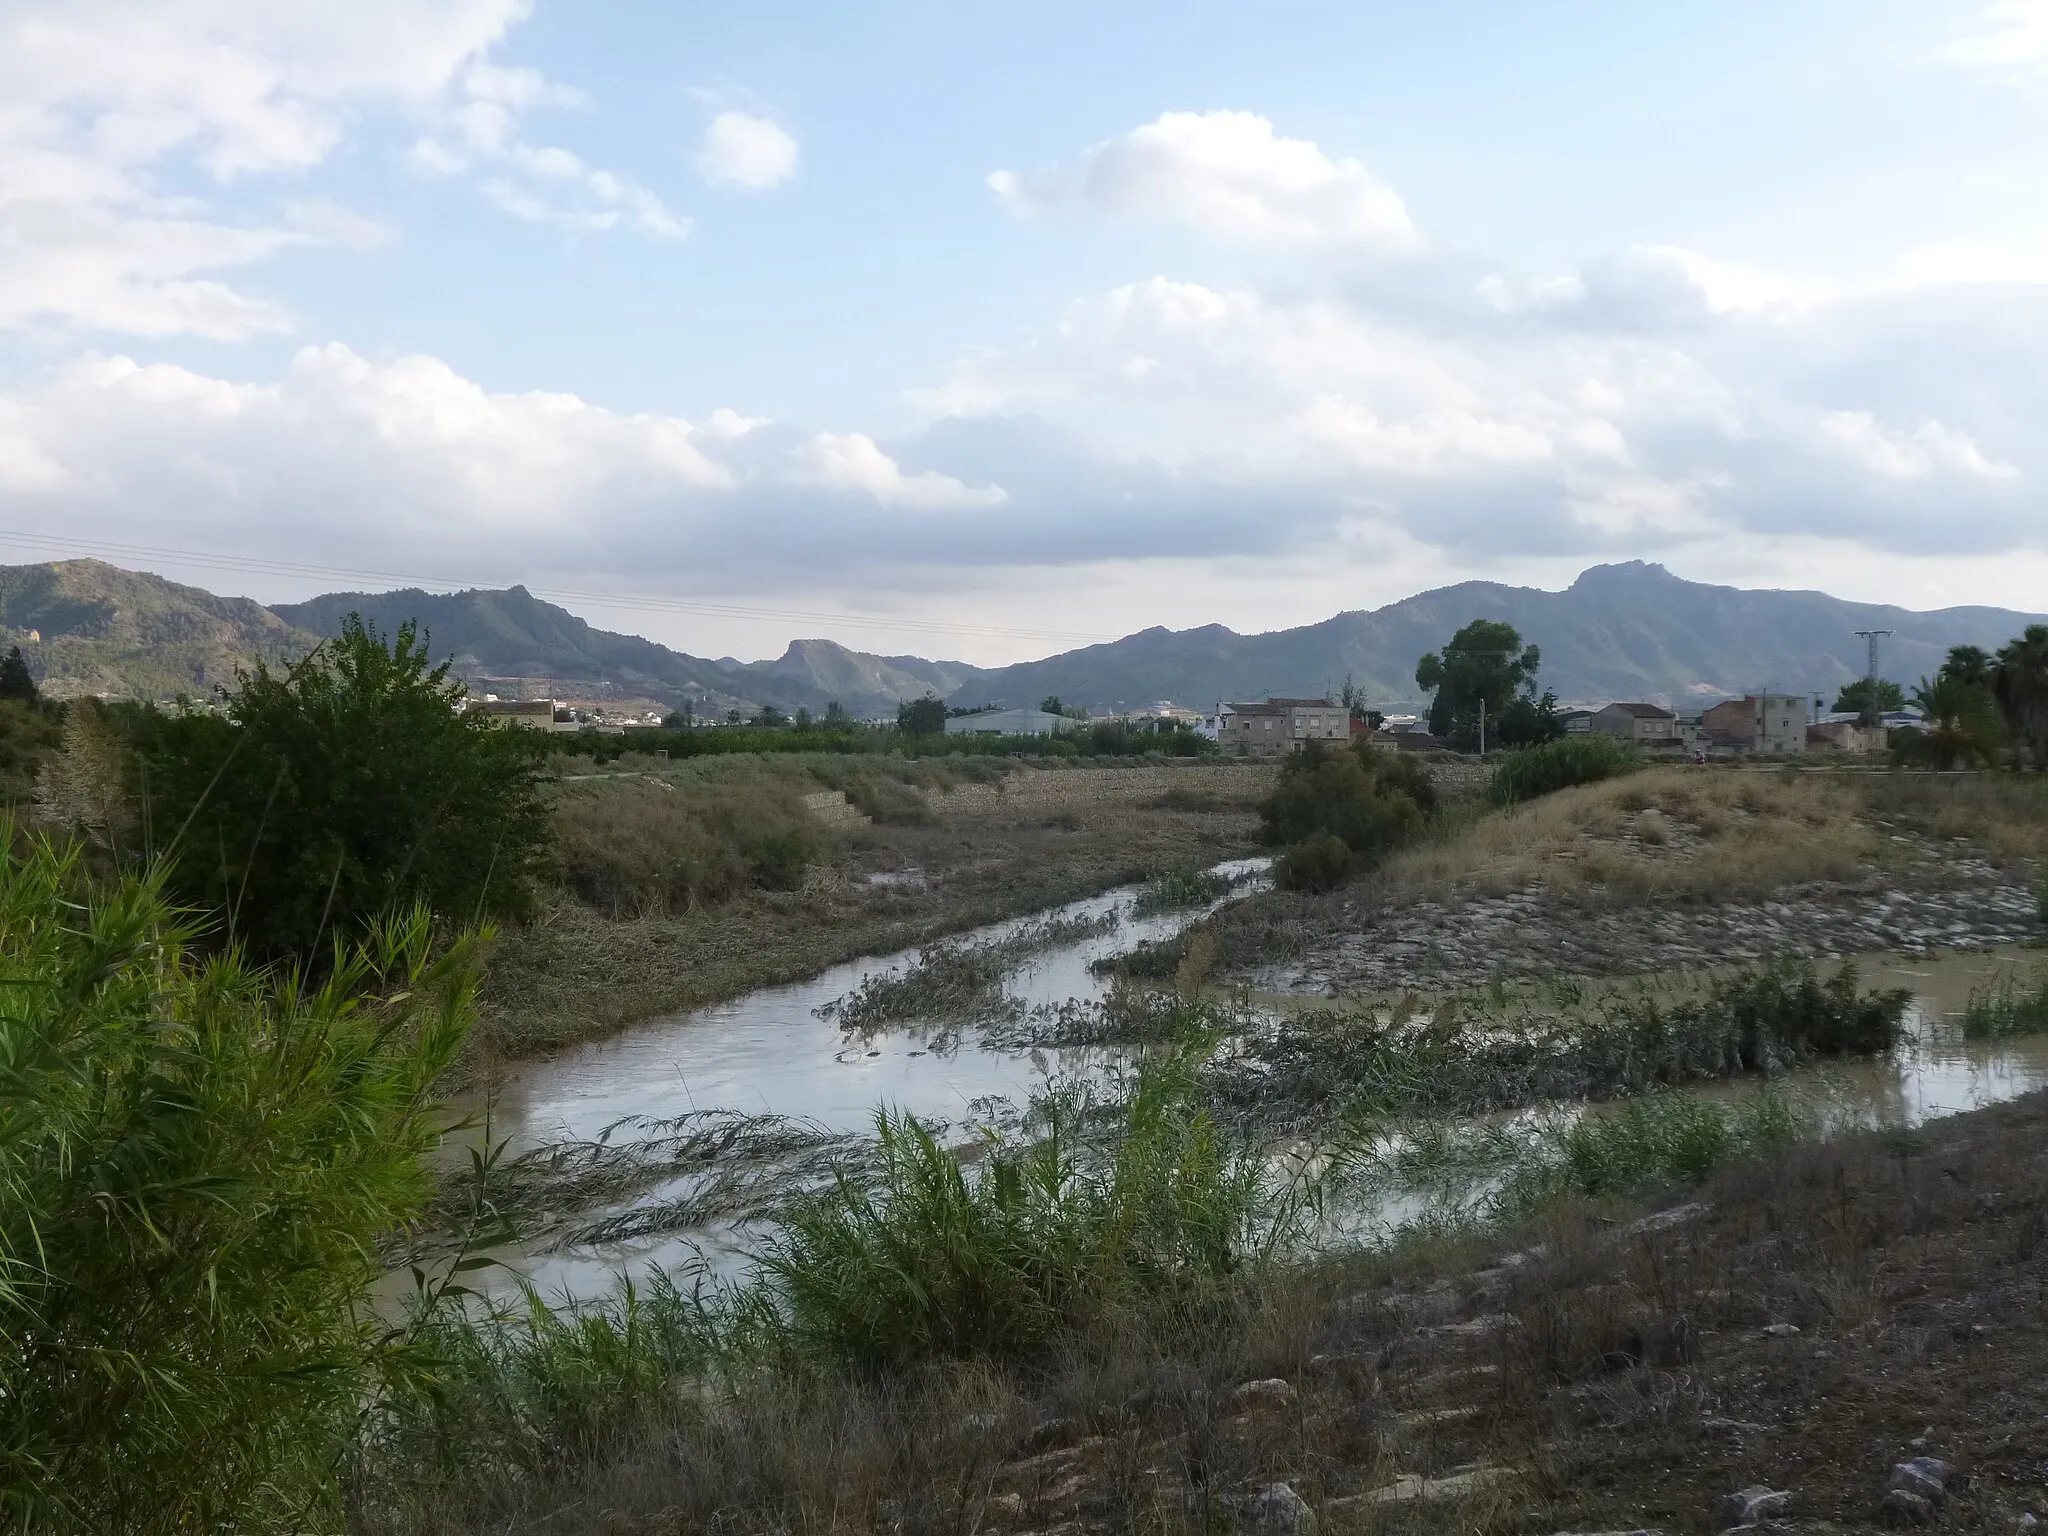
(976, 331)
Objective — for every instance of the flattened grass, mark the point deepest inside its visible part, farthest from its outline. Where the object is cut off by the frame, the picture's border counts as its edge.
(1713, 835)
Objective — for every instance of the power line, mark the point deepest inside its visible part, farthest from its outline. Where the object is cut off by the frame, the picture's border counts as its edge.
(258, 565)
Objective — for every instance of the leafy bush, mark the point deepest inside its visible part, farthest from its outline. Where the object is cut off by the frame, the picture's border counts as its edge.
(1319, 862)
(197, 1165)
(340, 789)
(780, 855)
(1370, 802)
(1528, 772)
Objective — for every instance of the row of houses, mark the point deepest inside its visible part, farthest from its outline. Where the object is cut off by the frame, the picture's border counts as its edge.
(1764, 725)
(1758, 724)
(553, 715)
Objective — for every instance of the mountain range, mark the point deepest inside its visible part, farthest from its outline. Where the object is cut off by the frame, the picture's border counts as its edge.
(1629, 631)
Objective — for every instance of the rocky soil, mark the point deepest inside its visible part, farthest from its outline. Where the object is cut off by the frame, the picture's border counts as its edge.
(1853, 1339)
(1956, 900)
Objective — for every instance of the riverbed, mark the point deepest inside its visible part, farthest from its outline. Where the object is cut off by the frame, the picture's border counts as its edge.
(734, 1106)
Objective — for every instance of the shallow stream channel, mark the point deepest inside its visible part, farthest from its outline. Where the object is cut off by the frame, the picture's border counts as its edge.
(672, 1146)
(654, 1147)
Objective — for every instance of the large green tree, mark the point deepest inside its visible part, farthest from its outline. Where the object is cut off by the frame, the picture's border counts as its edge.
(16, 681)
(2021, 687)
(921, 717)
(1487, 665)
(350, 784)
(1870, 697)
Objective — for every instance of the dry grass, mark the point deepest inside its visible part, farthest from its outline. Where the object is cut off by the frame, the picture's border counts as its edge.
(2005, 812)
(649, 935)
(1682, 833)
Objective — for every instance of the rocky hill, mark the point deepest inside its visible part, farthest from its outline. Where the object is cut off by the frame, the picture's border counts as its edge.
(1619, 631)
(1631, 631)
(511, 634)
(87, 627)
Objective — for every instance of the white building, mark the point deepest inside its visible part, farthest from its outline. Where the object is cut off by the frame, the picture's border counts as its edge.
(1009, 722)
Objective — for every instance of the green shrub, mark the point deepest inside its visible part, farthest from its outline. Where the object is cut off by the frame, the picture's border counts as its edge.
(1371, 802)
(197, 1163)
(340, 789)
(782, 854)
(1319, 862)
(1527, 772)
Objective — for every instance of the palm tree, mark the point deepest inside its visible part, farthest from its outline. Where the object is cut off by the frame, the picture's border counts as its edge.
(1970, 664)
(2021, 685)
(1960, 726)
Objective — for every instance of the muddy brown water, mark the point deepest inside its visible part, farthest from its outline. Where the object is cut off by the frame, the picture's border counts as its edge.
(773, 1052)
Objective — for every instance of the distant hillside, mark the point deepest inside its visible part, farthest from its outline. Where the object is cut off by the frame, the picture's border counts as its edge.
(105, 630)
(1619, 631)
(513, 634)
(1631, 631)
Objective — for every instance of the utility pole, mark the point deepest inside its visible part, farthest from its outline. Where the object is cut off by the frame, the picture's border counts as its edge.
(1482, 728)
(1870, 714)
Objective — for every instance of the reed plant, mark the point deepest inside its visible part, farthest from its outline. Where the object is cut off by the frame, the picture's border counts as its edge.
(1649, 1144)
(929, 1259)
(1476, 1054)
(198, 1162)
(2008, 1007)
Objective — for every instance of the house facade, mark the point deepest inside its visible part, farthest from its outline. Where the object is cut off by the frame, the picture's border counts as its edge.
(1642, 725)
(1280, 726)
(1771, 724)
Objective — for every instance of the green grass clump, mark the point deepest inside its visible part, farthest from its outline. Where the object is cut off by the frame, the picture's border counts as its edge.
(1646, 1144)
(2007, 1008)
(1178, 889)
(1473, 1056)
(958, 981)
(1529, 772)
(929, 1259)
(198, 1162)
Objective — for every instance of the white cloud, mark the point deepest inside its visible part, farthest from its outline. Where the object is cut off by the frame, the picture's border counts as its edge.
(2014, 34)
(853, 461)
(1227, 174)
(742, 150)
(135, 136)
(537, 183)
(1929, 448)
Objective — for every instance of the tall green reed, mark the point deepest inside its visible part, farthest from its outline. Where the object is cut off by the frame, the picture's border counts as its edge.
(198, 1161)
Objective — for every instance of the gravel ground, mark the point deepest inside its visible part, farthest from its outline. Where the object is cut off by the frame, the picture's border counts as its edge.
(1957, 900)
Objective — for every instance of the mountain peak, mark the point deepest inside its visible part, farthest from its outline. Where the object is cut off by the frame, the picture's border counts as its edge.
(1622, 573)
